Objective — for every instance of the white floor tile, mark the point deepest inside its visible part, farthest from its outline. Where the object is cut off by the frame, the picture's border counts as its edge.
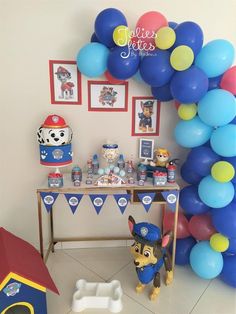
(65, 271)
(188, 293)
(217, 299)
(103, 261)
(129, 307)
(172, 299)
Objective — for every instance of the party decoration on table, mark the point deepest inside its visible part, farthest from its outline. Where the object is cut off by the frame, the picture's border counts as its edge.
(49, 199)
(200, 78)
(98, 201)
(54, 138)
(73, 200)
(150, 252)
(122, 201)
(24, 277)
(146, 199)
(55, 180)
(171, 198)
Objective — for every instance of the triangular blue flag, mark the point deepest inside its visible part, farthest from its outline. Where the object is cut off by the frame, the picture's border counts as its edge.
(146, 199)
(48, 199)
(171, 198)
(98, 201)
(73, 201)
(122, 201)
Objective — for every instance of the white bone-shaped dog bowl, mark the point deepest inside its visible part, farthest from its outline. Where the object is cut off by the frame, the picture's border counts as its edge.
(97, 295)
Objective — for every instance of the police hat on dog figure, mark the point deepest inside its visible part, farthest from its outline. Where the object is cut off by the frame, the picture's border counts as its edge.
(150, 252)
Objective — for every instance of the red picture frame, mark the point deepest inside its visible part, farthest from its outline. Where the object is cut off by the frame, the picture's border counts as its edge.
(65, 83)
(139, 120)
(104, 96)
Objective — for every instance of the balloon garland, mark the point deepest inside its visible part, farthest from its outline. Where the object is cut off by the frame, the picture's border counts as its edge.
(201, 80)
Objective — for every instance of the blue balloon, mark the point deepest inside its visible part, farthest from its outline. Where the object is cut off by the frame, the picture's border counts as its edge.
(224, 220)
(215, 194)
(189, 86)
(189, 34)
(192, 133)
(228, 274)
(206, 262)
(92, 59)
(231, 160)
(223, 140)
(215, 57)
(188, 174)
(123, 62)
(214, 82)
(190, 201)
(172, 24)
(94, 38)
(202, 159)
(162, 93)
(183, 249)
(105, 23)
(217, 107)
(232, 247)
(156, 69)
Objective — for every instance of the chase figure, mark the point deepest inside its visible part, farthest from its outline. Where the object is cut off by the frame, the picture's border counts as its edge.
(150, 253)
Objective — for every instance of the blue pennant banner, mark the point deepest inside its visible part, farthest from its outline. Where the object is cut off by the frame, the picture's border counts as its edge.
(171, 198)
(122, 201)
(98, 201)
(146, 199)
(48, 199)
(73, 201)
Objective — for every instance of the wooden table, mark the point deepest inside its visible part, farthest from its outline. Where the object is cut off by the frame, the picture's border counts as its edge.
(133, 190)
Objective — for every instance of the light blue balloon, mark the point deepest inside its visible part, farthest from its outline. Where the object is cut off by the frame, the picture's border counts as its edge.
(215, 194)
(223, 140)
(217, 107)
(192, 133)
(92, 59)
(215, 57)
(206, 262)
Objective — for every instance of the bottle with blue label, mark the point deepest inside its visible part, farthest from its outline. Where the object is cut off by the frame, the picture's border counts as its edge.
(121, 162)
(142, 173)
(95, 164)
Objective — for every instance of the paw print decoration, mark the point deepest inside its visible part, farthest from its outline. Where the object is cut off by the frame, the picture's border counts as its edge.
(54, 137)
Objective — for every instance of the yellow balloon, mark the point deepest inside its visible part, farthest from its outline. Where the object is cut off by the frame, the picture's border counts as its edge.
(187, 112)
(121, 35)
(219, 242)
(181, 58)
(222, 171)
(165, 38)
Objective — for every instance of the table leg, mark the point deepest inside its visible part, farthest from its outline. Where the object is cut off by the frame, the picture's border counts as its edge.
(40, 224)
(52, 229)
(175, 232)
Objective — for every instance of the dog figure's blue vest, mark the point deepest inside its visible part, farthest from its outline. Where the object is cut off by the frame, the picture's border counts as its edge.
(147, 273)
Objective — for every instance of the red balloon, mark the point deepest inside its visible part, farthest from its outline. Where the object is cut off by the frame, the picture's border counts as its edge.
(147, 26)
(112, 79)
(177, 104)
(228, 81)
(182, 226)
(201, 227)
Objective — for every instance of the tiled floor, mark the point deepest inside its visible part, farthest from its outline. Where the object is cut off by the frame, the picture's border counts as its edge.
(188, 293)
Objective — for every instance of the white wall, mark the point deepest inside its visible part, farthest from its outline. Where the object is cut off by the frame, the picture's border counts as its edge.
(32, 32)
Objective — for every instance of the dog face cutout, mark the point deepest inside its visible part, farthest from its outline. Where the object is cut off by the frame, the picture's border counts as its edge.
(54, 136)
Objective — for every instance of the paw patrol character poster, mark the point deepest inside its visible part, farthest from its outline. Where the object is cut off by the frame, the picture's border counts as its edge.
(146, 116)
(65, 82)
(106, 97)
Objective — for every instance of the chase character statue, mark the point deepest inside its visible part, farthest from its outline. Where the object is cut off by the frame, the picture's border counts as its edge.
(145, 123)
(150, 253)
